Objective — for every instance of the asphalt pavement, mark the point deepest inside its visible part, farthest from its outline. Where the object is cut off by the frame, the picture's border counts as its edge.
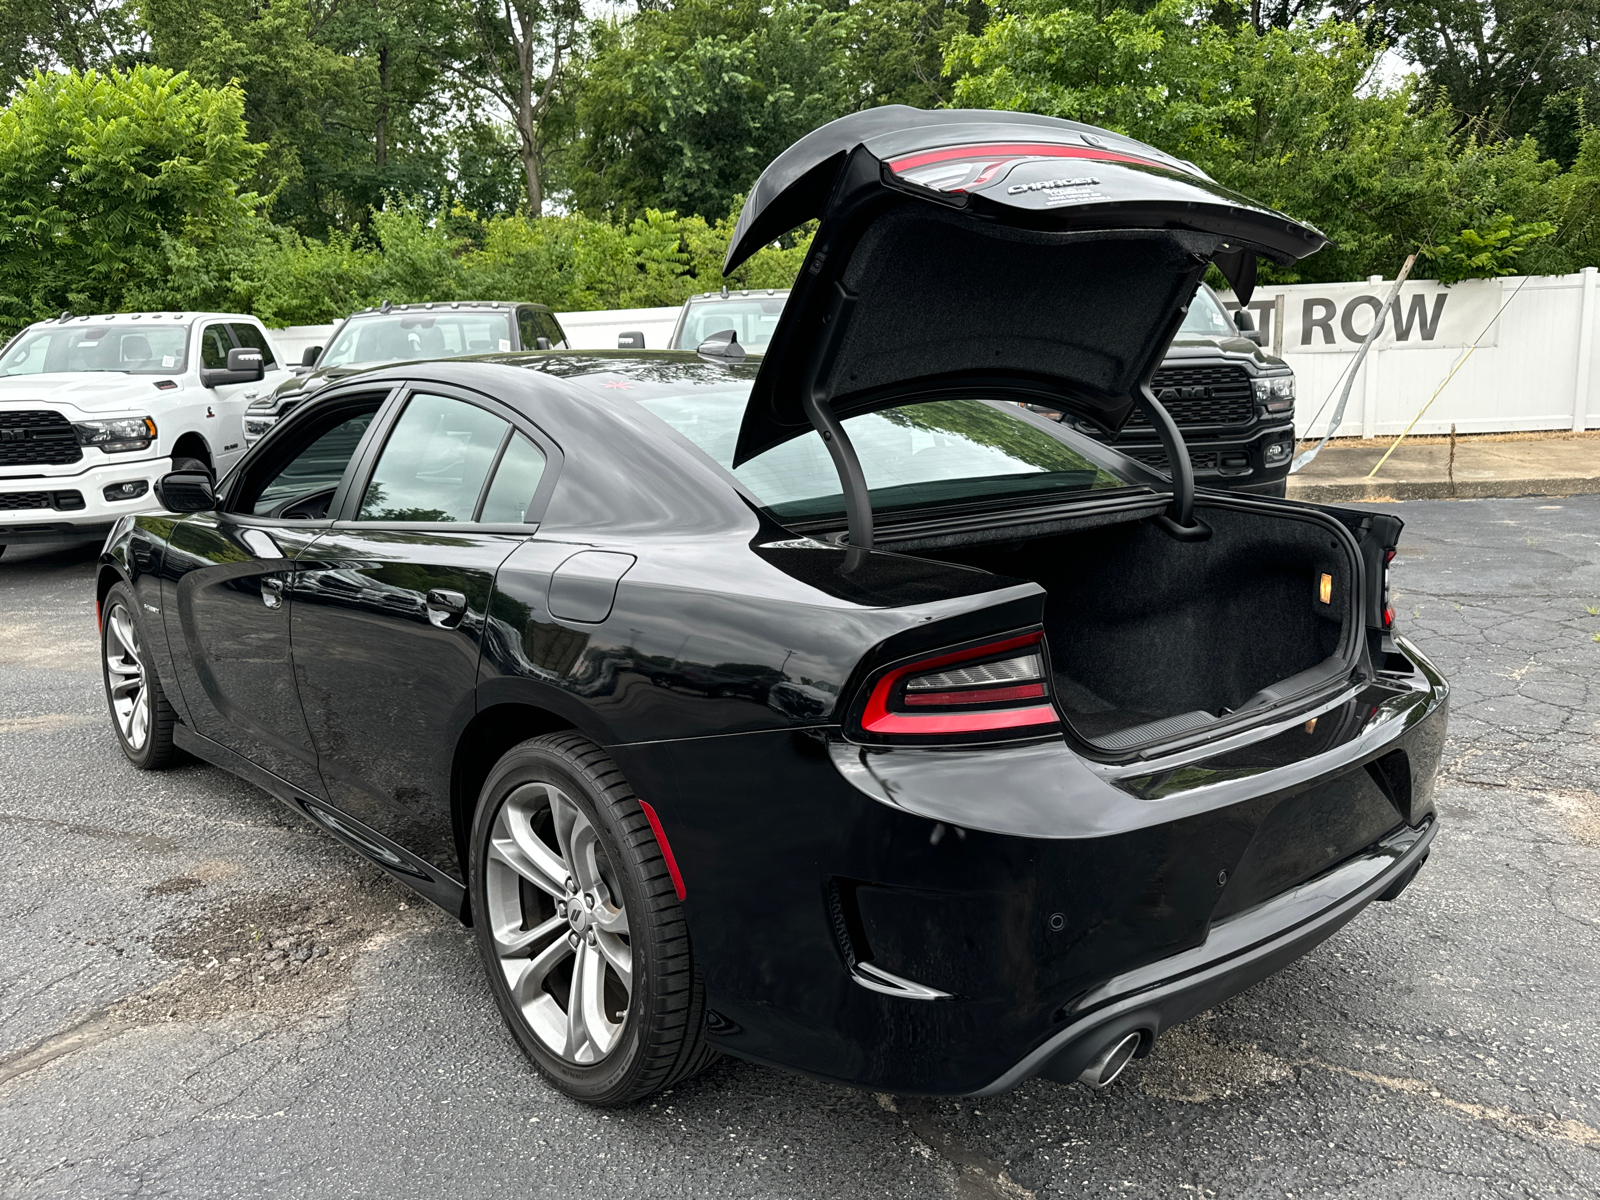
(200, 995)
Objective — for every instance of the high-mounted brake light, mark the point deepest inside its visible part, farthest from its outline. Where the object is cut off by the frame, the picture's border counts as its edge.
(991, 687)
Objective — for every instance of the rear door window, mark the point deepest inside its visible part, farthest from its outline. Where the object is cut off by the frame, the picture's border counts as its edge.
(516, 479)
(434, 463)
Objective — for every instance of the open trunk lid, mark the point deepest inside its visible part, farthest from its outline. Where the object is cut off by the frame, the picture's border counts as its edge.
(964, 249)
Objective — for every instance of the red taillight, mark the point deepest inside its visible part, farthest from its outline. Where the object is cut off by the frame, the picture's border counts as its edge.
(992, 687)
(1388, 617)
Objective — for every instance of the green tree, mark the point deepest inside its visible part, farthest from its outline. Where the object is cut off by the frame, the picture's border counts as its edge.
(1290, 116)
(120, 187)
(680, 108)
(522, 53)
(43, 35)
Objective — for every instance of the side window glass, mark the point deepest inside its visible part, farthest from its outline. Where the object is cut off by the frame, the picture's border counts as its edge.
(551, 328)
(527, 330)
(515, 481)
(214, 346)
(252, 337)
(307, 471)
(434, 463)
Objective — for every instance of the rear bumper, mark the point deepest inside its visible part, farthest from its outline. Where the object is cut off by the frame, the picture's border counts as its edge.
(1238, 953)
(1037, 904)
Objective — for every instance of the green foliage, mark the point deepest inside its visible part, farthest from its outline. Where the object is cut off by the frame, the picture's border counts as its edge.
(1290, 115)
(571, 263)
(1472, 254)
(271, 173)
(113, 187)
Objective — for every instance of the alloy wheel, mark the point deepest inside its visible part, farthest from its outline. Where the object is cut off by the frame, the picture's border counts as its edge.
(558, 922)
(126, 679)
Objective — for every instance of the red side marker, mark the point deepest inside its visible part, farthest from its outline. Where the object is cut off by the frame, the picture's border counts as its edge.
(666, 848)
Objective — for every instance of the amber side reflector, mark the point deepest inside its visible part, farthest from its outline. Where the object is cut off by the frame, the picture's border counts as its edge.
(1311, 725)
(1325, 588)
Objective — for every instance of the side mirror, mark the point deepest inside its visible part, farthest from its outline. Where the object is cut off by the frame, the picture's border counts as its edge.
(245, 365)
(247, 361)
(1246, 325)
(722, 346)
(541, 343)
(309, 358)
(632, 340)
(186, 490)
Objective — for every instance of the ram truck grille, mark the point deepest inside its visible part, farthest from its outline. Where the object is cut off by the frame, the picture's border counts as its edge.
(37, 438)
(1202, 395)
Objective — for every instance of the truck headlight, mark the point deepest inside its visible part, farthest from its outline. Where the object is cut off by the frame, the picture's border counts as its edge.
(117, 436)
(255, 428)
(1274, 391)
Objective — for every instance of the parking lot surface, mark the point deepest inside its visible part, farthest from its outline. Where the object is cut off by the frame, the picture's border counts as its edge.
(200, 995)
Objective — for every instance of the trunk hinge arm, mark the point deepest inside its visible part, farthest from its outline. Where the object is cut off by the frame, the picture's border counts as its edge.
(1179, 518)
(857, 499)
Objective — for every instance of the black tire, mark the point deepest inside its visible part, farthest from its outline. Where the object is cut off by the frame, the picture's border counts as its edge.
(155, 751)
(661, 1040)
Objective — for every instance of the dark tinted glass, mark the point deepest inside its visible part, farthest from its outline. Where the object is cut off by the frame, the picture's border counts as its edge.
(250, 336)
(433, 466)
(515, 481)
(214, 347)
(551, 328)
(308, 456)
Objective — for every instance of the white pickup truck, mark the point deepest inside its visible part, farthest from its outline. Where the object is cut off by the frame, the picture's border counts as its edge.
(94, 409)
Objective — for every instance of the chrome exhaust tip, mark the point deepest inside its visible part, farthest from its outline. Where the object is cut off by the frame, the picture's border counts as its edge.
(1103, 1071)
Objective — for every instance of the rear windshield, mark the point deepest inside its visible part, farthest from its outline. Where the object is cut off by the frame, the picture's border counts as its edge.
(752, 319)
(402, 337)
(940, 452)
(138, 349)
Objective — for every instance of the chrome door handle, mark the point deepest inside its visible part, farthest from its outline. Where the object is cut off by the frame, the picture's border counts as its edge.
(272, 591)
(445, 608)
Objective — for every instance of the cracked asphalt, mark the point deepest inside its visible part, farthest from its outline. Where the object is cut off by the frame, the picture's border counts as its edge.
(200, 995)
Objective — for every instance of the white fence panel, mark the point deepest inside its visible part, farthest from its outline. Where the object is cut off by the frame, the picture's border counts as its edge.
(599, 330)
(1534, 367)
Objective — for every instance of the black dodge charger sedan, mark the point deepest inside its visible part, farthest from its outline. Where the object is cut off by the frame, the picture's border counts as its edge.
(836, 710)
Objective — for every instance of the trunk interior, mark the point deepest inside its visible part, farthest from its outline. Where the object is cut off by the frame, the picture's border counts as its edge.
(1152, 638)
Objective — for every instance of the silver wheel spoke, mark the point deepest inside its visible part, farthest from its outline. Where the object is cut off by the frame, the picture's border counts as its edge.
(619, 955)
(611, 919)
(512, 940)
(588, 935)
(527, 975)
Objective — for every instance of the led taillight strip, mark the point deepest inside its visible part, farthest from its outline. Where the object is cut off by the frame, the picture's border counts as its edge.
(878, 719)
(1015, 150)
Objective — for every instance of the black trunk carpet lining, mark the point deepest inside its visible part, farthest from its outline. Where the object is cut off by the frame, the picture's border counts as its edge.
(1142, 627)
